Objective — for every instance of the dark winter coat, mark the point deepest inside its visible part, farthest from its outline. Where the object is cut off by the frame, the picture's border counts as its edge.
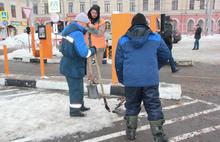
(75, 51)
(198, 33)
(139, 55)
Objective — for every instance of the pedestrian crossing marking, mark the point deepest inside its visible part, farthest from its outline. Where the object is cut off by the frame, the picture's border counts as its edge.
(165, 108)
(194, 133)
(167, 122)
(19, 94)
(3, 91)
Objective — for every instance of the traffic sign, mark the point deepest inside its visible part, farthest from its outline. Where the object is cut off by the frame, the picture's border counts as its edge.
(3, 15)
(55, 28)
(54, 6)
(5, 23)
(27, 12)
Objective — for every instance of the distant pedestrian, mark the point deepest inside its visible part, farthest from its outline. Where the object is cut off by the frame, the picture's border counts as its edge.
(168, 38)
(197, 37)
(140, 54)
(73, 63)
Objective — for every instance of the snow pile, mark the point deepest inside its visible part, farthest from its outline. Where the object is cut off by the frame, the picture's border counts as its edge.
(46, 116)
(20, 53)
(18, 41)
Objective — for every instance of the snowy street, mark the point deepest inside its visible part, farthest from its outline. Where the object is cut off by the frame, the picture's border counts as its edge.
(31, 114)
(42, 115)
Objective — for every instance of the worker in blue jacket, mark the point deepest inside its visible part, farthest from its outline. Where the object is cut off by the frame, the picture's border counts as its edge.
(139, 55)
(73, 63)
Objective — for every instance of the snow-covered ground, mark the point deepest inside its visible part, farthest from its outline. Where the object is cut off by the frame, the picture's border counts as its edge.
(18, 41)
(45, 116)
(208, 53)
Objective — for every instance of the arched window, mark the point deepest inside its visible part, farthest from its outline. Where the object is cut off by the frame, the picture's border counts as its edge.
(212, 26)
(190, 25)
(201, 23)
(219, 26)
(175, 25)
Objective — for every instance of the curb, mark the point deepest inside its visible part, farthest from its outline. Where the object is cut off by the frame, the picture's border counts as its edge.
(167, 91)
(184, 62)
(36, 60)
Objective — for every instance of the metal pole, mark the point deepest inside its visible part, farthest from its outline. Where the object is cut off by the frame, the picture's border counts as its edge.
(210, 17)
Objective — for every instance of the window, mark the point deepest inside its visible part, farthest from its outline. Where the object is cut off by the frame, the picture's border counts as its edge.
(119, 5)
(219, 25)
(132, 5)
(190, 26)
(174, 4)
(13, 11)
(145, 5)
(46, 8)
(35, 8)
(156, 4)
(2, 7)
(82, 6)
(202, 4)
(94, 2)
(213, 4)
(191, 4)
(70, 7)
(212, 26)
(107, 6)
(201, 23)
(23, 14)
(174, 24)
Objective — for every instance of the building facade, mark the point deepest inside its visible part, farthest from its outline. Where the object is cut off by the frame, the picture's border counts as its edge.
(185, 13)
(14, 21)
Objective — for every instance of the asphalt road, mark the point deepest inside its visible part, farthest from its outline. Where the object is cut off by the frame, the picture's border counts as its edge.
(195, 118)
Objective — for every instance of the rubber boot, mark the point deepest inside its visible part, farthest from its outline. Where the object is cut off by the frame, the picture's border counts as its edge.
(157, 130)
(131, 123)
(83, 108)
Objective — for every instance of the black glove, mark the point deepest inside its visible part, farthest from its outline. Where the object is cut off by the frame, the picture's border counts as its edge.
(93, 48)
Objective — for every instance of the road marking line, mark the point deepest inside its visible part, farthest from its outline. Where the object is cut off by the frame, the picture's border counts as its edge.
(146, 127)
(202, 101)
(196, 77)
(8, 90)
(165, 108)
(23, 140)
(194, 133)
(21, 94)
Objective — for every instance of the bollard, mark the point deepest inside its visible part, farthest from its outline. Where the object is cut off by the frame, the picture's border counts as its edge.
(6, 60)
(41, 61)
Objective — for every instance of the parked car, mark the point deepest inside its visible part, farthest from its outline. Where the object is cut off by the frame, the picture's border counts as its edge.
(176, 36)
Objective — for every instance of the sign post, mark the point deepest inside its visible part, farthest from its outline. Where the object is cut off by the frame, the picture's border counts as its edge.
(4, 22)
(55, 18)
(27, 12)
(54, 6)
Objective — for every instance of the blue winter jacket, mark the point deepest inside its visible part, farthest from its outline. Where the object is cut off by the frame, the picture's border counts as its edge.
(75, 51)
(139, 55)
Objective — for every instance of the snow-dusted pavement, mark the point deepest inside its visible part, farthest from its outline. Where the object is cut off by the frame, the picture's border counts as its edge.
(39, 114)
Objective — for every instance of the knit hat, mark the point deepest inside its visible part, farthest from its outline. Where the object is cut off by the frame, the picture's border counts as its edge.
(139, 19)
(81, 17)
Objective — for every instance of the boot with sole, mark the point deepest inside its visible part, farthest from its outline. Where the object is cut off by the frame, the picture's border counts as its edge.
(157, 131)
(131, 123)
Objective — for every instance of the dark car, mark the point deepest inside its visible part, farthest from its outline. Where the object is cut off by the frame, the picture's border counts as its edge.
(176, 36)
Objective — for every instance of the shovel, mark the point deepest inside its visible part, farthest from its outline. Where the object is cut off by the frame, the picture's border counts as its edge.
(99, 75)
